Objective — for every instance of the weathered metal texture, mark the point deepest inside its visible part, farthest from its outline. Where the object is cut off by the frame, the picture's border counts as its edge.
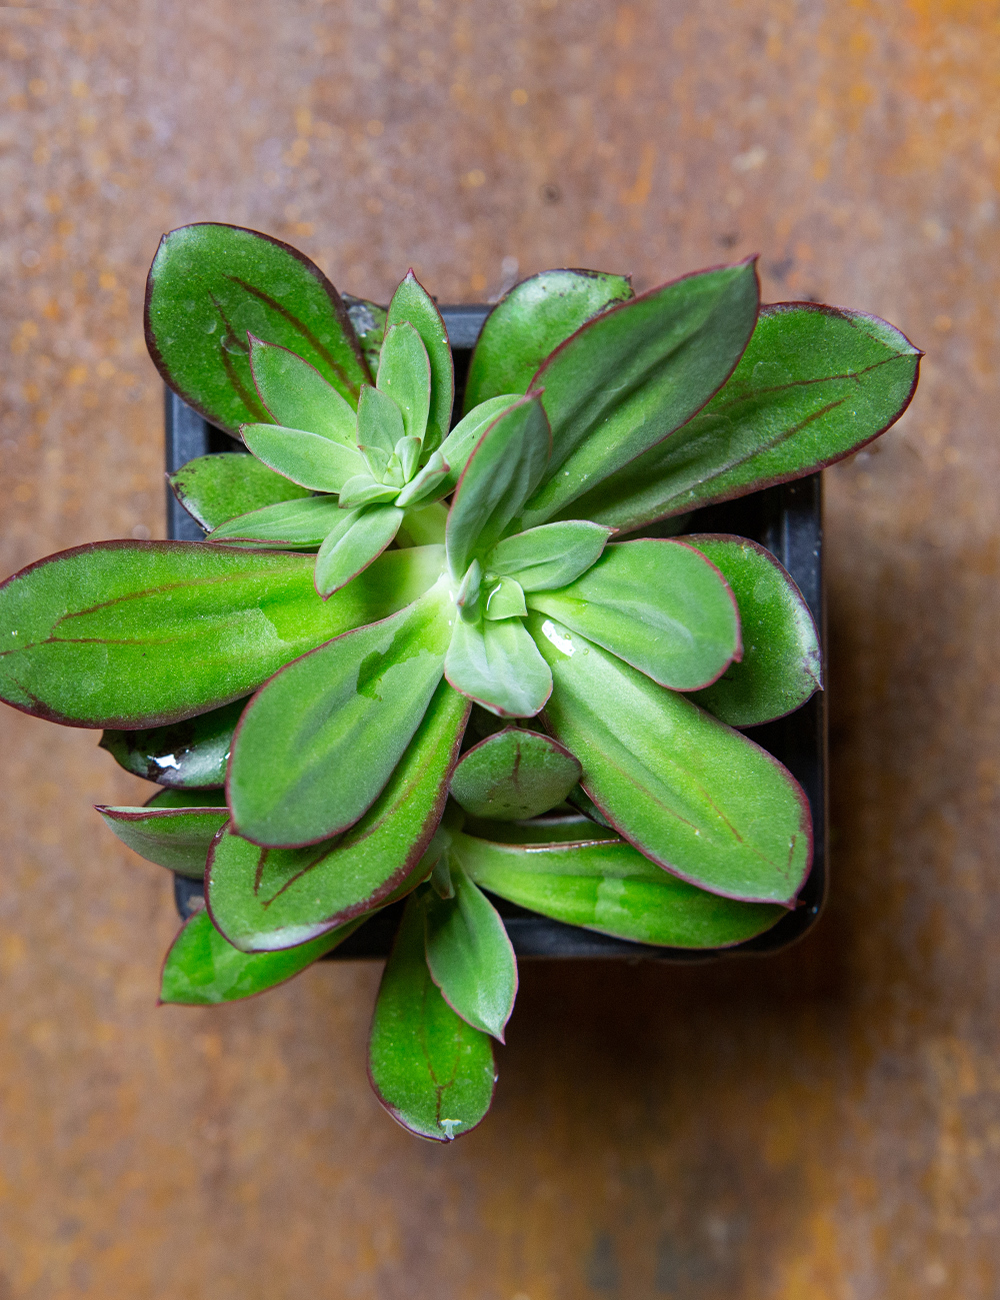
(824, 1124)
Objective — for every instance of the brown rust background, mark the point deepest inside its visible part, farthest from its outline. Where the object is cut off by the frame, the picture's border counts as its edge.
(825, 1124)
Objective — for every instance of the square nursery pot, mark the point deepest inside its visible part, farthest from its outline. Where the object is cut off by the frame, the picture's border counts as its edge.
(787, 520)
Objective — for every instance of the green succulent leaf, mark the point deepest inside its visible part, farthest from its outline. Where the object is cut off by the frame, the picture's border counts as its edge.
(502, 472)
(691, 794)
(297, 396)
(368, 319)
(210, 286)
(188, 754)
(530, 322)
(404, 374)
(215, 489)
(276, 898)
(657, 604)
(514, 775)
(413, 304)
(203, 969)
(498, 666)
(178, 838)
(456, 449)
(631, 376)
(380, 421)
(144, 634)
(782, 662)
(317, 744)
(363, 490)
(606, 885)
(550, 556)
(309, 459)
(423, 524)
(358, 538)
(431, 1071)
(469, 955)
(815, 384)
(214, 798)
(504, 599)
(289, 524)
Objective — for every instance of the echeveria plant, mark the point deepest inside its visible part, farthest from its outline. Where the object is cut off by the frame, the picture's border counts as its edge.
(376, 574)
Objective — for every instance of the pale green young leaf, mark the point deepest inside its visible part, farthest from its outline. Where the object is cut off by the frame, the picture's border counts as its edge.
(504, 599)
(498, 666)
(346, 551)
(363, 490)
(549, 556)
(306, 458)
(404, 374)
(296, 394)
(413, 304)
(461, 442)
(287, 524)
(380, 421)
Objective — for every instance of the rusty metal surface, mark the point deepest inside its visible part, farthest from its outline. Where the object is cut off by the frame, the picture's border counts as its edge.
(825, 1124)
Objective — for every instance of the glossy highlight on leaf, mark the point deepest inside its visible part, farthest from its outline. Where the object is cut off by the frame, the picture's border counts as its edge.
(144, 634)
(317, 743)
(212, 285)
(469, 955)
(530, 321)
(214, 489)
(188, 754)
(514, 775)
(178, 838)
(277, 898)
(659, 605)
(431, 1071)
(782, 662)
(203, 969)
(693, 795)
(602, 883)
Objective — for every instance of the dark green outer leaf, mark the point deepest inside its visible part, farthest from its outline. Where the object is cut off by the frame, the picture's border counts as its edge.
(782, 661)
(214, 489)
(611, 888)
(815, 384)
(202, 969)
(412, 303)
(368, 319)
(277, 898)
(188, 754)
(317, 743)
(178, 838)
(469, 955)
(209, 286)
(187, 799)
(632, 375)
(693, 795)
(514, 775)
(431, 1071)
(530, 322)
(659, 605)
(142, 634)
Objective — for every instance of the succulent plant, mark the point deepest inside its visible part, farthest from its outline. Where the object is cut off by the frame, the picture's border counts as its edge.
(375, 574)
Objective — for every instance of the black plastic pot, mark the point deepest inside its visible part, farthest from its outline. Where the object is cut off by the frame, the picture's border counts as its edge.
(787, 520)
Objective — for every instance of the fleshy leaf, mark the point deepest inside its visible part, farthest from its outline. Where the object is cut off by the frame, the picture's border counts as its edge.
(210, 286)
(690, 793)
(657, 604)
(498, 666)
(815, 384)
(502, 472)
(275, 898)
(782, 662)
(634, 374)
(504, 599)
(348, 550)
(514, 775)
(530, 322)
(427, 482)
(456, 449)
(203, 969)
(306, 458)
(606, 885)
(214, 489)
(412, 303)
(289, 523)
(423, 524)
(318, 742)
(404, 374)
(143, 634)
(192, 753)
(297, 396)
(549, 556)
(469, 956)
(380, 421)
(178, 838)
(431, 1071)
(214, 798)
